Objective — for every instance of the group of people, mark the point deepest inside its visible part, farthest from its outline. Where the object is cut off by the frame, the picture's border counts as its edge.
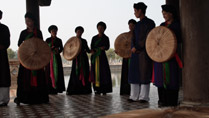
(142, 70)
(34, 86)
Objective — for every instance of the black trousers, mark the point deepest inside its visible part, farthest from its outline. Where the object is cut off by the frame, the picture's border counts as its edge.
(167, 97)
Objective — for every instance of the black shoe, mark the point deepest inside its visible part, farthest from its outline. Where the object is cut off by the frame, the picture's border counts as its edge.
(3, 104)
(161, 104)
(98, 93)
(130, 100)
(17, 101)
(143, 101)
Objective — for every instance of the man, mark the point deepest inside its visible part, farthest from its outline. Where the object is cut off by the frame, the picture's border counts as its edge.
(140, 71)
(5, 79)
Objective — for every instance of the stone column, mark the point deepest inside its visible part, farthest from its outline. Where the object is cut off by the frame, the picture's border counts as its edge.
(33, 7)
(195, 32)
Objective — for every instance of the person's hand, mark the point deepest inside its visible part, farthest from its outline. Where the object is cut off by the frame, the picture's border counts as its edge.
(133, 50)
(92, 52)
(1, 47)
(102, 48)
(52, 48)
(56, 51)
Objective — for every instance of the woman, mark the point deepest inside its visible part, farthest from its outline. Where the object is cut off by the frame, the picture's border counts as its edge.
(168, 86)
(125, 86)
(54, 71)
(79, 79)
(5, 78)
(100, 70)
(32, 86)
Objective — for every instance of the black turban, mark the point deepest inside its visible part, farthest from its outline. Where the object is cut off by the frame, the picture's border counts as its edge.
(140, 5)
(31, 16)
(169, 8)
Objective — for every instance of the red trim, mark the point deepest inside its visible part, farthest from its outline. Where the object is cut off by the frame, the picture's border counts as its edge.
(178, 61)
(153, 74)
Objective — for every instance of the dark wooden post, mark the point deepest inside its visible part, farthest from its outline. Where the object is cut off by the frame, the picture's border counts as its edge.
(33, 7)
(195, 24)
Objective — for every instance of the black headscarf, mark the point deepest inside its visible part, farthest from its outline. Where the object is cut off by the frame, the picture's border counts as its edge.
(132, 21)
(79, 28)
(102, 24)
(52, 27)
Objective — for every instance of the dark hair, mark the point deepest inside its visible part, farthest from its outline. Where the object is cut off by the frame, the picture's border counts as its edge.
(169, 8)
(79, 28)
(102, 24)
(1, 13)
(132, 21)
(141, 6)
(52, 27)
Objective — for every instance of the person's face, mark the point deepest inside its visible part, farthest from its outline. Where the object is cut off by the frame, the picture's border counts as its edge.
(167, 15)
(100, 29)
(131, 26)
(79, 33)
(29, 22)
(137, 13)
(53, 32)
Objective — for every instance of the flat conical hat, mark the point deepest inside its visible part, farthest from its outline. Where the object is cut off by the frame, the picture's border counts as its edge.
(72, 48)
(161, 44)
(34, 53)
(123, 45)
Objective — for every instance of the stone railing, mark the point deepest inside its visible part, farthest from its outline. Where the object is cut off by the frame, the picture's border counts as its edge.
(14, 66)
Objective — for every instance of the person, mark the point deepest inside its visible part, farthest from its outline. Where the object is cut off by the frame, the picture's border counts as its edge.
(168, 86)
(140, 72)
(100, 70)
(124, 85)
(79, 79)
(54, 70)
(32, 85)
(5, 78)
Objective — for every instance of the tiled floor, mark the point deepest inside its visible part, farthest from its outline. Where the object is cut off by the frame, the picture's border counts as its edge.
(77, 106)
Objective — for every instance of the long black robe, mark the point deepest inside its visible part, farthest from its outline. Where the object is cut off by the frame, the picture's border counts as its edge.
(125, 86)
(140, 71)
(26, 93)
(5, 79)
(60, 85)
(75, 85)
(168, 95)
(104, 70)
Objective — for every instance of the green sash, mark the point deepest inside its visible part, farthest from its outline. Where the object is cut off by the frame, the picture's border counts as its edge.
(95, 60)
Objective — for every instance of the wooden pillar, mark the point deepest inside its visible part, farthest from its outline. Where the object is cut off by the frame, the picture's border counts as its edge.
(33, 7)
(195, 24)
